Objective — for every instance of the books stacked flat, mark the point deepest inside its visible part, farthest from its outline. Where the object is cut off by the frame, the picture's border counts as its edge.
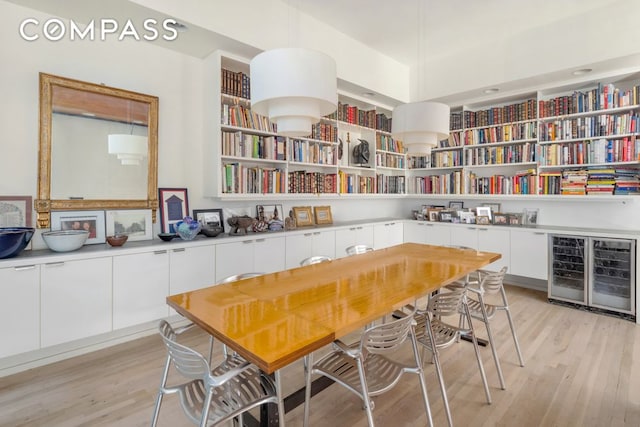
(627, 182)
(600, 182)
(574, 182)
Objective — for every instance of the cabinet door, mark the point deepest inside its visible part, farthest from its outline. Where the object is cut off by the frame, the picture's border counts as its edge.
(387, 234)
(191, 268)
(529, 254)
(438, 234)
(234, 258)
(140, 288)
(324, 243)
(20, 313)
(462, 235)
(268, 255)
(76, 300)
(415, 232)
(344, 238)
(298, 247)
(498, 240)
(364, 235)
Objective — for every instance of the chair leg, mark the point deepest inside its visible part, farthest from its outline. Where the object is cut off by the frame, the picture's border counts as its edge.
(278, 382)
(436, 360)
(163, 382)
(210, 348)
(366, 400)
(423, 382)
(474, 340)
(308, 360)
(205, 409)
(491, 342)
(515, 338)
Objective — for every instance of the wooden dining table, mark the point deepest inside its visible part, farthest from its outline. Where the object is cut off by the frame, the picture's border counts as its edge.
(277, 318)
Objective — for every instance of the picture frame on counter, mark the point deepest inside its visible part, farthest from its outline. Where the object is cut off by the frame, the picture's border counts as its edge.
(16, 211)
(500, 219)
(495, 207)
(322, 215)
(484, 211)
(433, 214)
(92, 221)
(467, 217)
(209, 217)
(515, 218)
(174, 206)
(303, 216)
(530, 216)
(135, 223)
(457, 205)
(483, 220)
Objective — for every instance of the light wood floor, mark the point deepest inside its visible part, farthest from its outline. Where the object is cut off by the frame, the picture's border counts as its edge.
(581, 369)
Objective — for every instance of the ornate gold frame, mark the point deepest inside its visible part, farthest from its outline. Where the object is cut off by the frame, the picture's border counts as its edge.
(43, 205)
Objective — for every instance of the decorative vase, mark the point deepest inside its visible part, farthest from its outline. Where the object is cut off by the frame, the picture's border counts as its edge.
(188, 229)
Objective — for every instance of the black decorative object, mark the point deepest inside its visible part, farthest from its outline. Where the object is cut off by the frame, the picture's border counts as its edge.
(361, 153)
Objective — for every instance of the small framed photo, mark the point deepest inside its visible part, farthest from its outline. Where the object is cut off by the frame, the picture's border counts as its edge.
(515, 219)
(530, 216)
(303, 215)
(467, 217)
(482, 219)
(495, 207)
(446, 216)
(174, 206)
(434, 214)
(484, 211)
(323, 215)
(456, 205)
(500, 219)
(209, 217)
(92, 221)
(15, 211)
(135, 223)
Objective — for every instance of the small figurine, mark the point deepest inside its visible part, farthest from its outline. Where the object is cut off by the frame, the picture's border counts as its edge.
(239, 224)
(290, 221)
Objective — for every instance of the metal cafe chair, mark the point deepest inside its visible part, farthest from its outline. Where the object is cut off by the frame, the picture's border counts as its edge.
(211, 397)
(358, 249)
(367, 367)
(314, 260)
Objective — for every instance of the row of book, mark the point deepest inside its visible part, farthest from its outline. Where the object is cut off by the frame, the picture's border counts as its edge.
(324, 132)
(235, 84)
(241, 116)
(603, 97)
(522, 111)
(386, 184)
(626, 149)
(589, 127)
(502, 154)
(581, 182)
(240, 179)
(446, 159)
(357, 116)
(520, 183)
(356, 184)
(501, 133)
(387, 143)
(312, 152)
(312, 182)
(450, 183)
(387, 160)
(241, 144)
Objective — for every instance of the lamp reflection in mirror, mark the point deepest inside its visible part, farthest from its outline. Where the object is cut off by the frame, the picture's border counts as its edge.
(130, 149)
(294, 87)
(420, 125)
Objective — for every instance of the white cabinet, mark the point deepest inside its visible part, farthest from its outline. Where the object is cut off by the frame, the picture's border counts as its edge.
(529, 249)
(463, 235)
(140, 288)
(250, 254)
(494, 239)
(76, 300)
(437, 234)
(312, 243)
(415, 232)
(191, 268)
(20, 313)
(356, 235)
(387, 234)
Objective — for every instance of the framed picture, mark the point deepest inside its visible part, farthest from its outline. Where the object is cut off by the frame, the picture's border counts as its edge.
(484, 211)
(446, 216)
(15, 211)
(467, 217)
(530, 216)
(434, 214)
(456, 205)
(515, 219)
(174, 206)
(209, 217)
(303, 215)
(135, 223)
(92, 221)
(495, 207)
(323, 215)
(500, 219)
(482, 219)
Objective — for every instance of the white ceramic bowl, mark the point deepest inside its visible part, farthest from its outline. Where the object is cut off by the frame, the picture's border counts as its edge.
(65, 240)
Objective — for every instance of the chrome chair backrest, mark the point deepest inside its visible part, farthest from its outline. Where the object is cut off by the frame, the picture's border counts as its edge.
(447, 303)
(314, 260)
(187, 361)
(358, 249)
(387, 337)
(492, 282)
(237, 277)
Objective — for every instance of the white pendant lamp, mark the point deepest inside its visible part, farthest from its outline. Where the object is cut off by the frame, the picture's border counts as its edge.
(420, 125)
(294, 87)
(130, 149)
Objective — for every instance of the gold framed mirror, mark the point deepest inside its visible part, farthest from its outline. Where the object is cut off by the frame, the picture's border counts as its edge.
(98, 148)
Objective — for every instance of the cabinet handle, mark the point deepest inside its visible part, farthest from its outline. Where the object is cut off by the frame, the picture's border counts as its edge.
(55, 264)
(359, 228)
(159, 252)
(247, 241)
(481, 229)
(316, 233)
(386, 225)
(24, 267)
(472, 228)
(352, 228)
(260, 240)
(539, 233)
(179, 250)
(307, 234)
(429, 225)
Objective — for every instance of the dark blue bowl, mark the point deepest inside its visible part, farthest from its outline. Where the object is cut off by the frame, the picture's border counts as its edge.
(13, 240)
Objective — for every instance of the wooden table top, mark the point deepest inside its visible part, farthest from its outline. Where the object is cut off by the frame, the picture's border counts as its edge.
(274, 319)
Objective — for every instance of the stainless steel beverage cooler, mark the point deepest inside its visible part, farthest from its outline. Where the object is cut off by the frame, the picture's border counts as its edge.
(594, 272)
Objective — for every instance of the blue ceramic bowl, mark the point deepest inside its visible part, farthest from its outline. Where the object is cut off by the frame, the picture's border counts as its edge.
(14, 239)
